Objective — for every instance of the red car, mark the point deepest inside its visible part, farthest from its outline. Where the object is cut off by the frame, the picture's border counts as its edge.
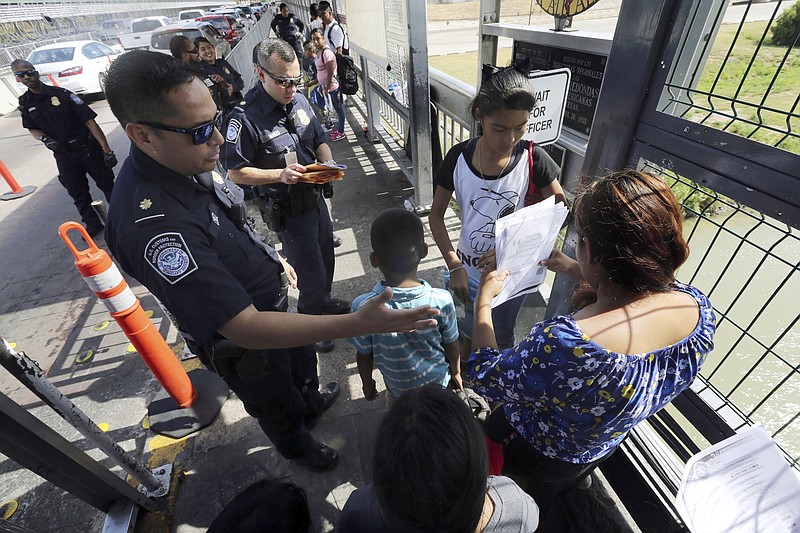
(225, 25)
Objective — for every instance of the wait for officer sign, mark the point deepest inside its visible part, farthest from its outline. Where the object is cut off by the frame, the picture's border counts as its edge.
(550, 88)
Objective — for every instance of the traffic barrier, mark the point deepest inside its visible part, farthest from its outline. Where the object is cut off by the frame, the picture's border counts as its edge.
(16, 190)
(105, 279)
(53, 81)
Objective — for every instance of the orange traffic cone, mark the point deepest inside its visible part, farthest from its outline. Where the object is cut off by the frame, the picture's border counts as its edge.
(16, 190)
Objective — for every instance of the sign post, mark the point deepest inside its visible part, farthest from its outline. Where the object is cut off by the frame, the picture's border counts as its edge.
(546, 118)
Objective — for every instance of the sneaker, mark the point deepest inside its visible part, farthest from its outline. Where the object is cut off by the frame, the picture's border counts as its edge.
(336, 136)
(335, 306)
(327, 397)
(317, 457)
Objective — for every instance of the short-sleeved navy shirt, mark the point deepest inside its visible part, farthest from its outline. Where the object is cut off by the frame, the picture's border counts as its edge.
(59, 113)
(260, 132)
(224, 69)
(176, 238)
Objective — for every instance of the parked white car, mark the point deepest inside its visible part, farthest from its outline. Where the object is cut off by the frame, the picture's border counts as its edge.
(191, 14)
(141, 29)
(79, 66)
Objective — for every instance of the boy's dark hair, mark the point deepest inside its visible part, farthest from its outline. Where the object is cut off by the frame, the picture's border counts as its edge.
(139, 82)
(430, 465)
(313, 10)
(506, 89)
(269, 505)
(398, 240)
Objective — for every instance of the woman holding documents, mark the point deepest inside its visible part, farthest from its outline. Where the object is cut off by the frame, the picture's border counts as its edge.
(577, 384)
(492, 176)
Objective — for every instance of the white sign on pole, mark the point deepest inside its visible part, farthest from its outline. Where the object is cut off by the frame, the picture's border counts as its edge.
(545, 120)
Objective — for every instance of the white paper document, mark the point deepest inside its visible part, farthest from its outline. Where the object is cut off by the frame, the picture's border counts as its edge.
(740, 485)
(522, 239)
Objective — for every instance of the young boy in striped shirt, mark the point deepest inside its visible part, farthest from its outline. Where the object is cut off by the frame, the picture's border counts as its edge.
(406, 360)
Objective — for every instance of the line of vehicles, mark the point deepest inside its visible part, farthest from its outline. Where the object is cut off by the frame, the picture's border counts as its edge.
(81, 66)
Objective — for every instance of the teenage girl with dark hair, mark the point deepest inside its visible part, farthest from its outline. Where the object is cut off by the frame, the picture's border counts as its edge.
(490, 176)
(578, 383)
(431, 473)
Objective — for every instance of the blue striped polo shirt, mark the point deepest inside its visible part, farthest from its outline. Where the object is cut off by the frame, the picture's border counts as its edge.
(411, 360)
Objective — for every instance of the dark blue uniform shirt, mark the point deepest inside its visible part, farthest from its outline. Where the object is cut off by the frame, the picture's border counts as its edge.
(224, 69)
(59, 113)
(175, 237)
(287, 27)
(260, 132)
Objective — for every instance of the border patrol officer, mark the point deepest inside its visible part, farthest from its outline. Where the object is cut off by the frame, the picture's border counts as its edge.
(184, 49)
(220, 71)
(66, 125)
(269, 138)
(180, 229)
(289, 28)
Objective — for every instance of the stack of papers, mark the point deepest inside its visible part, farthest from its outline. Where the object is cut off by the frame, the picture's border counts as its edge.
(740, 485)
(319, 173)
(522, 239)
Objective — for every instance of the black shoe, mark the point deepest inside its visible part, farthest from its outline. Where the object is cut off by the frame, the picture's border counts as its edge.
(317, 457)
(337, 241)
(324, 346)
(94, 229)
(327, 397)
(336, 307)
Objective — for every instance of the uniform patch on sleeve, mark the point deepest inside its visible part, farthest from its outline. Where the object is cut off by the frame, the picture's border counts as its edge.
(234, 128)
(76, 99)
(170, 257)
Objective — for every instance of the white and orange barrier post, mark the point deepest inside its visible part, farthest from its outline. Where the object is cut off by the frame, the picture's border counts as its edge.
(16, 190)
(105, 279)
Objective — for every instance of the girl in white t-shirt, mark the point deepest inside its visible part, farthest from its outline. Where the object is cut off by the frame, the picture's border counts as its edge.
(491, 177)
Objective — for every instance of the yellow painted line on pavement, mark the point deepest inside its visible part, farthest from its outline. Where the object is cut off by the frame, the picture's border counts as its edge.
(85, 356)
(149, 313)
(103, 426)
(164, 450)
(8, 509)
(100, 326)
(130, 348)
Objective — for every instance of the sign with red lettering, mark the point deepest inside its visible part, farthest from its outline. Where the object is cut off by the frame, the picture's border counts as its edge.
(546, 118)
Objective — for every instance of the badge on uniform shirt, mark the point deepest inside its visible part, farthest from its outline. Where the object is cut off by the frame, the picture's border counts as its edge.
(170, 257)
(76, 99)
(303, 117)
(55, 101)
(234, 127)
(145, 204)
(218, 179)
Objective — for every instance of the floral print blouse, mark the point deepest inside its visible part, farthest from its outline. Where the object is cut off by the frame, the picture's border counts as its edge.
(574, 400)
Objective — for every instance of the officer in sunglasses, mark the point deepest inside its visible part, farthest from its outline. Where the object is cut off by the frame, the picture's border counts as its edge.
(270, 137)
(181, 229)
(184, 49)
(66, 125)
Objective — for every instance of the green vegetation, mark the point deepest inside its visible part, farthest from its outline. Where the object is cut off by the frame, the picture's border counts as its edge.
(464, 66)
(787, 27)
(758, 78)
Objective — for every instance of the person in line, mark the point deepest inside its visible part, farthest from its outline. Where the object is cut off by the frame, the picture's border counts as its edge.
(268, 141)
(314, 21)
(64, 123)
(290, 28)
(325, 63)
(406, 360)
(266, 506)
(431, 473)
(578, 383)
(332, 30)
(181, 229)
(220, 71)
(491, 176)
(183, 49)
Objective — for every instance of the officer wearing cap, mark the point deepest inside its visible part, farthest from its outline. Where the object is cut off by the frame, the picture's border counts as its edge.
(269, 139)
(67, 126)
(181, 230)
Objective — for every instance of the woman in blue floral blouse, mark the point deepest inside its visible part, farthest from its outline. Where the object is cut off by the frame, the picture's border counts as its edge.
(577, 384)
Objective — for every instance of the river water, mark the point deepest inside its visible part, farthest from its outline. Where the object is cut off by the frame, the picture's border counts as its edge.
(749, 271)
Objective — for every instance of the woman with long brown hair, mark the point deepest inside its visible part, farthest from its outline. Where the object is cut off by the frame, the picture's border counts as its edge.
(578, 383)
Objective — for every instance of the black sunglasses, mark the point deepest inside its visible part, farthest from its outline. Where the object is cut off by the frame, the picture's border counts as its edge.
(285, 82)
(200, 134)
(23, 73)
(194, 52)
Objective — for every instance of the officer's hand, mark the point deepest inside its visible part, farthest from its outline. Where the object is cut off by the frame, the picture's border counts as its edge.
(381, 319)
(230, 89)
(110, 159)
(292, 173)
(217, 78)
(51, 143)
